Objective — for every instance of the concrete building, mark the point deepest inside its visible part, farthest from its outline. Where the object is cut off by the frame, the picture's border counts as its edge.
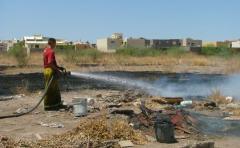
(165, 43)
(110, 44)
(38, 42)
(136, 43)
(5, 45)
(235, 44)
(188, 42)
(82, 45)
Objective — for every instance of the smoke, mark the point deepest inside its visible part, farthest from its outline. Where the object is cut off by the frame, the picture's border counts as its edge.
(184, 86)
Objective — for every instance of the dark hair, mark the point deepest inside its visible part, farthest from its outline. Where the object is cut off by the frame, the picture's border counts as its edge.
(51, 40)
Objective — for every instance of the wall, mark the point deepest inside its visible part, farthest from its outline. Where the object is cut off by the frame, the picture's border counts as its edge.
(235, 44)
(3, 47)
(165, 43)
(191, 43)
(108, 44)
(135, 43)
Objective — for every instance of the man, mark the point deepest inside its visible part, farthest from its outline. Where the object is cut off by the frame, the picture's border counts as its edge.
(52, 100)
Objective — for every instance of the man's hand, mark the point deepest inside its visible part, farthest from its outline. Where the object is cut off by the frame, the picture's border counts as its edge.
(61, 68)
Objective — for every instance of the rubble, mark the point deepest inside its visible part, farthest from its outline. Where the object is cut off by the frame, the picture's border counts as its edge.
(94, 132)
(125, 143)
(204, 144)
(52, 125)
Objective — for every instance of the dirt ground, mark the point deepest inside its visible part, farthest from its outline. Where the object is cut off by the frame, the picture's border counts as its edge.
(26, 127)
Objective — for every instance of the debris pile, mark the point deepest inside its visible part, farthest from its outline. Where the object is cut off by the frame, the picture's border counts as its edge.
(95, 132)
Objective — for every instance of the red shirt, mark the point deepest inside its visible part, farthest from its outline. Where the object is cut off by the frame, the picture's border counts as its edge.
(49, 57)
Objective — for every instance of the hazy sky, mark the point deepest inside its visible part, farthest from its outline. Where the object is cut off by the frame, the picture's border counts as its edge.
(92, 19)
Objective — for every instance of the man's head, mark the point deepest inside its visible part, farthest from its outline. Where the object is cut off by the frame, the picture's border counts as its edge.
(52, 42)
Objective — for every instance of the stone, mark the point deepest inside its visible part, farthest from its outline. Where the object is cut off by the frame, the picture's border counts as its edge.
(204, 144)
(126, 143)
(151, 139)
(233, 106)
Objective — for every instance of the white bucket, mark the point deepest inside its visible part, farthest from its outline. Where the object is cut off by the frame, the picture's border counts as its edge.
(79, 106)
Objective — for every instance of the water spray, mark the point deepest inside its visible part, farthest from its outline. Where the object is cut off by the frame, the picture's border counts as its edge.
(119, 81)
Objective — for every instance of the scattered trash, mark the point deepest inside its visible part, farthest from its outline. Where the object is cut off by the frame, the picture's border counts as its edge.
(52, 125)
(164, 129)
(151, 139)
(229, 99)
(204, 144)
(169, 100)
(232, 118)
(126, 143)
(37, 135)
(124, 111)
(112, 105)
(90, 101)
(21, 110)
(186, 103)
(6, 98)
(233, 106)
(210, 104)
(79, 106)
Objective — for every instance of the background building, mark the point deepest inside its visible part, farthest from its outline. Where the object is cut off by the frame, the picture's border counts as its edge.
(5, 45)
(165, 43)
(136, 43)
(188, 42)
(235, 44)
(38, 42)
(110, 44)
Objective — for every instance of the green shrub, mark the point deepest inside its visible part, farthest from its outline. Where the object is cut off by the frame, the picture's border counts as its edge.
(176, 51)
(20, 53)
(216, 51)
(139, 52)
(76, 56)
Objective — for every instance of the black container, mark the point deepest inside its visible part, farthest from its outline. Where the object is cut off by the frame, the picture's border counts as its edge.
(164, 129)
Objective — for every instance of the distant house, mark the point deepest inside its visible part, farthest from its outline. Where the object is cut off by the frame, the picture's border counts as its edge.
(3, 47)
(82, 45)
(235, 44)
(165, 43)
(188, 42)
(137, 43)
(7, 44)
(226, 44)
(110, 44)
(38, 42)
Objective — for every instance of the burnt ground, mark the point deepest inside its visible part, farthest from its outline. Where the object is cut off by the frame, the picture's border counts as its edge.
(27, 126)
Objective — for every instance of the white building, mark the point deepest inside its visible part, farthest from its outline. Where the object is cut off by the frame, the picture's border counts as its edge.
(38, 42)
(235, 44)
(110, 44)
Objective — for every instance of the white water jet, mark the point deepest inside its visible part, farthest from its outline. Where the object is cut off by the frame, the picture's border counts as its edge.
(120, 81)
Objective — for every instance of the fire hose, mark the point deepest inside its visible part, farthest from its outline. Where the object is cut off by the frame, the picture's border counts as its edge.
(39, 102)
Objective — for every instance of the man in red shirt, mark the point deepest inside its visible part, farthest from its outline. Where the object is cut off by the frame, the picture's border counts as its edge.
(52, 100)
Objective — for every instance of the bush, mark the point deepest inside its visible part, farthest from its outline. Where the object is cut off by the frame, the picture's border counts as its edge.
(216, 51)
(20, 53)
(139, 52)
(176, 51)
(77, 56)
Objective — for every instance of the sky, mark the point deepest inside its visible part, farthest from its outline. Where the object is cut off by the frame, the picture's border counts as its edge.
(89, 20)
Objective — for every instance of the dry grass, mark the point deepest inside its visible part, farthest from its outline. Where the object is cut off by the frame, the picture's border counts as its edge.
(217, 97)
(230, 65)
(96, 132)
